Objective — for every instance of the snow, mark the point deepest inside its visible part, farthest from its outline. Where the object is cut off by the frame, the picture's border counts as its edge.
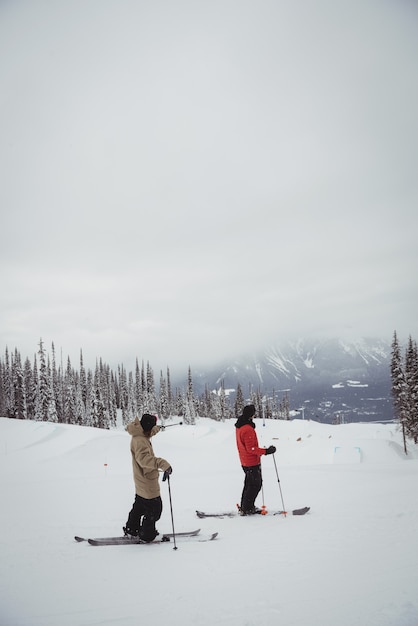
(352, 560)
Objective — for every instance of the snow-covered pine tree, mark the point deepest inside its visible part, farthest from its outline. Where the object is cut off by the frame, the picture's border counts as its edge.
(83, 381)
(152, 404)
(18, 388)
(2, 390)
(398, 386)
(52, 407)
(100, 416)
(80, 407)
(112, 398)
(36, 396)
(8, 386)
(44, 384)
(239, 401)
(411, 395)
(123, 394)
(131, 409)
(138, 389)
(90, 400)
(69, 416)
(190, 411)
(144, 394)
(170, 399)
(29, 391)
(56, 386)
(163, 403)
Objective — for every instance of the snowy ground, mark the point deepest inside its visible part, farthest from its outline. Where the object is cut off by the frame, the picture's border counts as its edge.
(353, 560)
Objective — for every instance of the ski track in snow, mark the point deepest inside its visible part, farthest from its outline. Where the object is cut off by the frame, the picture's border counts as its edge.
(352, 560)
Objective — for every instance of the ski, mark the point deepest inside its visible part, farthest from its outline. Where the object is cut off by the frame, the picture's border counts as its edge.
(301, 511)
(203, 515)
(128, 541)
(189, 533)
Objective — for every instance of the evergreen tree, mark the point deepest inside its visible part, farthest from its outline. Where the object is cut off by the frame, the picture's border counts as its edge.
(80, 407)
(164, 411)
(131, 409)
(90, 400)
(123, 395)
(18, 388)
(398, 387)
(223, 402)
(2, 391)
(100, 416)
(138, 389)
(52, 406)
(190, 411)
(112, 399)
(398, 378)
(29, 394)
(170, 401)
(239, 401)
(8, 386)
(56, 387)
(44, 384)
(151, 406)
(83, 381)
(69, 416)
(411, 395)
(35, 392)
(144, 394)
(207, 408)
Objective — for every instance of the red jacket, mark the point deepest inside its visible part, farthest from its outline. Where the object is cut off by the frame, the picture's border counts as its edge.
(247, 444)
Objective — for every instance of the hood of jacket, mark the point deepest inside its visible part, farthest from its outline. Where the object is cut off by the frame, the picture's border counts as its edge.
(135, 429)
(244, 421)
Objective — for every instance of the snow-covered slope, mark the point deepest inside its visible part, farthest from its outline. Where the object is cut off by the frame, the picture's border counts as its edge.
(352, 560)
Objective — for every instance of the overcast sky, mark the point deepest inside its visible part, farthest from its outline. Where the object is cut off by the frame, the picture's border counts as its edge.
(185, 180)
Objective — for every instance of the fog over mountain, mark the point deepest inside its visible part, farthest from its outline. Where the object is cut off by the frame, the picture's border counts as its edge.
(327, 378)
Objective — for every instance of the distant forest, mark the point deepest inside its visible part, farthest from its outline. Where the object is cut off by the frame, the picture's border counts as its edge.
(44, 391)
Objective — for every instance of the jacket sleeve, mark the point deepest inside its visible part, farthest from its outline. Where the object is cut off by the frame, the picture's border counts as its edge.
(147, 461)
(250, 442)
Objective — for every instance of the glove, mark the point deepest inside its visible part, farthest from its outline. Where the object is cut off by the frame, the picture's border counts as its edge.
(167, 473)
(270, 450)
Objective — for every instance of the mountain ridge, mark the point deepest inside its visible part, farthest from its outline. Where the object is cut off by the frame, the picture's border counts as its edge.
(329, 377)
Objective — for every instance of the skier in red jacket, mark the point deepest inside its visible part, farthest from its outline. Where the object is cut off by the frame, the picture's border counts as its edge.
(250, 456)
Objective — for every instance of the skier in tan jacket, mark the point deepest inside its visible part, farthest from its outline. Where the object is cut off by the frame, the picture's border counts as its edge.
(147, 507)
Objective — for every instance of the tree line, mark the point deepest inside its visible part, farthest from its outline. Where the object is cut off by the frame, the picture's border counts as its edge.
(44, 390)
(404, 374)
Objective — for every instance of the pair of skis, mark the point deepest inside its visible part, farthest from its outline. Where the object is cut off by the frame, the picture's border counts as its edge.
(302, 511)
(129, 541)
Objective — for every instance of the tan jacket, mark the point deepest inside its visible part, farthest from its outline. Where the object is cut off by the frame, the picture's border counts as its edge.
(144, 463)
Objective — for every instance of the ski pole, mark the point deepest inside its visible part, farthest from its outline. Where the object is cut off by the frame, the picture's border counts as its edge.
(278, 480)
(170, 425)
(171, 509)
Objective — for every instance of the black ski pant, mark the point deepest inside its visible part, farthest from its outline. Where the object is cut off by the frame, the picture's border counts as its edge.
(252, 485)
(143, 515)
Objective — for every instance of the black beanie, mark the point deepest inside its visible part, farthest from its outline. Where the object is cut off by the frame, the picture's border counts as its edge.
(148, 422)
(249, 411)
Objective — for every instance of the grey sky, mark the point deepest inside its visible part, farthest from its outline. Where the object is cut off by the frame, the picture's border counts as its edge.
(184, 180)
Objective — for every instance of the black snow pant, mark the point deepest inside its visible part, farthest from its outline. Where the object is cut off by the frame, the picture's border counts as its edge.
(252, 485)
(142, 517)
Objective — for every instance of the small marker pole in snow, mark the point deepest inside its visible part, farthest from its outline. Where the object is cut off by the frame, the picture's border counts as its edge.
(278, 480)
(263, 507)
(171, 509)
